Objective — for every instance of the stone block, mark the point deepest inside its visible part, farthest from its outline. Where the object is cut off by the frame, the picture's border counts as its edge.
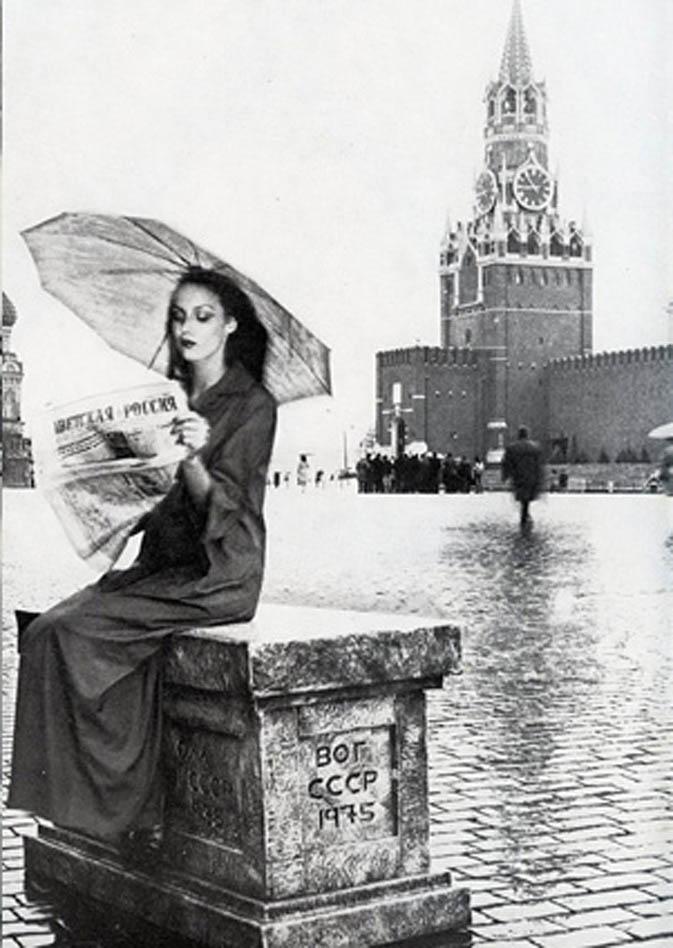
(297, 803)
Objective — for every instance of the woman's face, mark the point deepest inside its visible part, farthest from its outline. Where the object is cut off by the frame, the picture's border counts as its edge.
(198, 324)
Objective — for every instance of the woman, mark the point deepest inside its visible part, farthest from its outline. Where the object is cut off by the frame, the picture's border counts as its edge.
(88, 725)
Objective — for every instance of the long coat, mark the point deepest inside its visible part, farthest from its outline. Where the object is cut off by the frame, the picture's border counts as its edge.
(88, 723)
(522, 464)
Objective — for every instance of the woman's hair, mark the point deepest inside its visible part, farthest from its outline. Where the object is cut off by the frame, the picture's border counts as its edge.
(247, 344)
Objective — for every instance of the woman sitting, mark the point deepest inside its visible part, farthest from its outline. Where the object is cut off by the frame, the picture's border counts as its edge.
(88, 725)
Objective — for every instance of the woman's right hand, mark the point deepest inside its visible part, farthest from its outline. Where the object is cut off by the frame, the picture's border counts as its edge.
(191, 430)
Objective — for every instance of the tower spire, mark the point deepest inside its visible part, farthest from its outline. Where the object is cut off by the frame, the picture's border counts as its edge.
(516, 66)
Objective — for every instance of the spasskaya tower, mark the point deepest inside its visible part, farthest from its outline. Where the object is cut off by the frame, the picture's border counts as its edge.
(516, 279)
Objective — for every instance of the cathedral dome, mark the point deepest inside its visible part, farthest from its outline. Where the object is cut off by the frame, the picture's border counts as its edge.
(9, 314)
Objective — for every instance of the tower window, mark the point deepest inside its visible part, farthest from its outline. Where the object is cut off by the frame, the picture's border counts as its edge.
(556, 245)
(575, 247)
(569, 277)
(533, 243)
(509, 102)
(468, 336)
(530, 104)
(519, 276)
(513, 245)
(491, 108)
(397, 393)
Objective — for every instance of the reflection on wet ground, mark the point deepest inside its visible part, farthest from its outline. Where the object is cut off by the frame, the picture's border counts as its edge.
(551, 754)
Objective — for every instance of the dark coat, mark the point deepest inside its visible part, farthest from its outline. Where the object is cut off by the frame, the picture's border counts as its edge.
(88, 722)
(522, 464)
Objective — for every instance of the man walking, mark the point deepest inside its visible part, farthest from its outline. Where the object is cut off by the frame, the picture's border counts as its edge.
(522, 464)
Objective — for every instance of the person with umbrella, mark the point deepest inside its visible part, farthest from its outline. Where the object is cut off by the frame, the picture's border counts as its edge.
(88, 724)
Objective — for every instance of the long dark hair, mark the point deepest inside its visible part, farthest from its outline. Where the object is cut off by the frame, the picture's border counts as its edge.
(247, 344)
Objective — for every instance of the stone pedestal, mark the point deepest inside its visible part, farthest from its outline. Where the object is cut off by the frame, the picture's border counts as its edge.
(297, 808)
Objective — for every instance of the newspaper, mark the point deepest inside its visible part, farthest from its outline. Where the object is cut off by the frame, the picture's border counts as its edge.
(105, 460)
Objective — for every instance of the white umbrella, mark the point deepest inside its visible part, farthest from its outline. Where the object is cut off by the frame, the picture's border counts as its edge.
(663, 432)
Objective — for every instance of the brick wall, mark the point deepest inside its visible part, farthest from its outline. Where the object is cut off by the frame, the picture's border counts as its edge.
(606, 402)
(443, 397)
(558, 306)
(610, 401)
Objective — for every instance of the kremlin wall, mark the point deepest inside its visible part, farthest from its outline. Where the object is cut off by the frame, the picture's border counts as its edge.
(609, 401)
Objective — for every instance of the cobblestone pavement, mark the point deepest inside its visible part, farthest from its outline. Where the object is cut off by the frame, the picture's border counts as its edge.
(551, 757)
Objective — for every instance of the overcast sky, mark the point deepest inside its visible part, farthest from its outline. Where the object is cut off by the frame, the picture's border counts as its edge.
(318, 146)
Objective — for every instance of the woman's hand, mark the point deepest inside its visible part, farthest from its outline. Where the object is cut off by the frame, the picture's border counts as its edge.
(192, 430)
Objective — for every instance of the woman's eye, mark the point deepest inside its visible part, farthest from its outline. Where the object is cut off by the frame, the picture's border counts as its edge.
(204, 315)
(177, 317)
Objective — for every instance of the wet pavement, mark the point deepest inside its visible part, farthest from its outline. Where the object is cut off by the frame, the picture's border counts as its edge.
(551, 757)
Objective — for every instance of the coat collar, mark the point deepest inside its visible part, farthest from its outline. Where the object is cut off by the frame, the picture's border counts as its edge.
(236, 380)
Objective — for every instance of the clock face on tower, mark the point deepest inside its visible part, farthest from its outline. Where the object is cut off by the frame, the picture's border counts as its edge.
(486, 191)
(532, 186)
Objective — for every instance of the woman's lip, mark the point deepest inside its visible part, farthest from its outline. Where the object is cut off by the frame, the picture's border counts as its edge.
(186, 343)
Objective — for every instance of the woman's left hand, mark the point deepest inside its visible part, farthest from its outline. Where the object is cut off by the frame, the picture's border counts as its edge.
(192, 430)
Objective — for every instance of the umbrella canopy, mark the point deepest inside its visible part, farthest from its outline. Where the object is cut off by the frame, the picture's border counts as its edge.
(117, 274)
(663, 432)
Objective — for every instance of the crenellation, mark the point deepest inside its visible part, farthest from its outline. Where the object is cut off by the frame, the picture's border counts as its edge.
(650, 355)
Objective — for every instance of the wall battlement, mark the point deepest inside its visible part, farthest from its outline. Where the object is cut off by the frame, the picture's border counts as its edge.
(600, 360)
(454, 357)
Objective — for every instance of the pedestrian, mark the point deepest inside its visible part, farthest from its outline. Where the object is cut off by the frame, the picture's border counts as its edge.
(465, 475)
(361, 473)
(399, 474)
(302, 472)
(387, 475)
(666, 468)
(377, 474)
(478, 474)
(450, 477)
(89, 720)
(522, 465)
(434, 473)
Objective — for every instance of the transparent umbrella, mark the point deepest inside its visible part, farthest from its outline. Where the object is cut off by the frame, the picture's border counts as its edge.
(117, 273)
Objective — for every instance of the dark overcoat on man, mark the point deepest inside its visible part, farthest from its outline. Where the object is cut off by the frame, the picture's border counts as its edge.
(522, 465)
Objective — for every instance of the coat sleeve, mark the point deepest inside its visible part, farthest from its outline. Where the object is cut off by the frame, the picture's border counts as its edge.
(238, 469)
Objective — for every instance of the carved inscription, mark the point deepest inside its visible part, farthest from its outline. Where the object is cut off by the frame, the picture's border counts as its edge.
(349, 786)
(203, 783)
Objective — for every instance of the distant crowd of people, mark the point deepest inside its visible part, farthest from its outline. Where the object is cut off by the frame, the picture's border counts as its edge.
(419, 474)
